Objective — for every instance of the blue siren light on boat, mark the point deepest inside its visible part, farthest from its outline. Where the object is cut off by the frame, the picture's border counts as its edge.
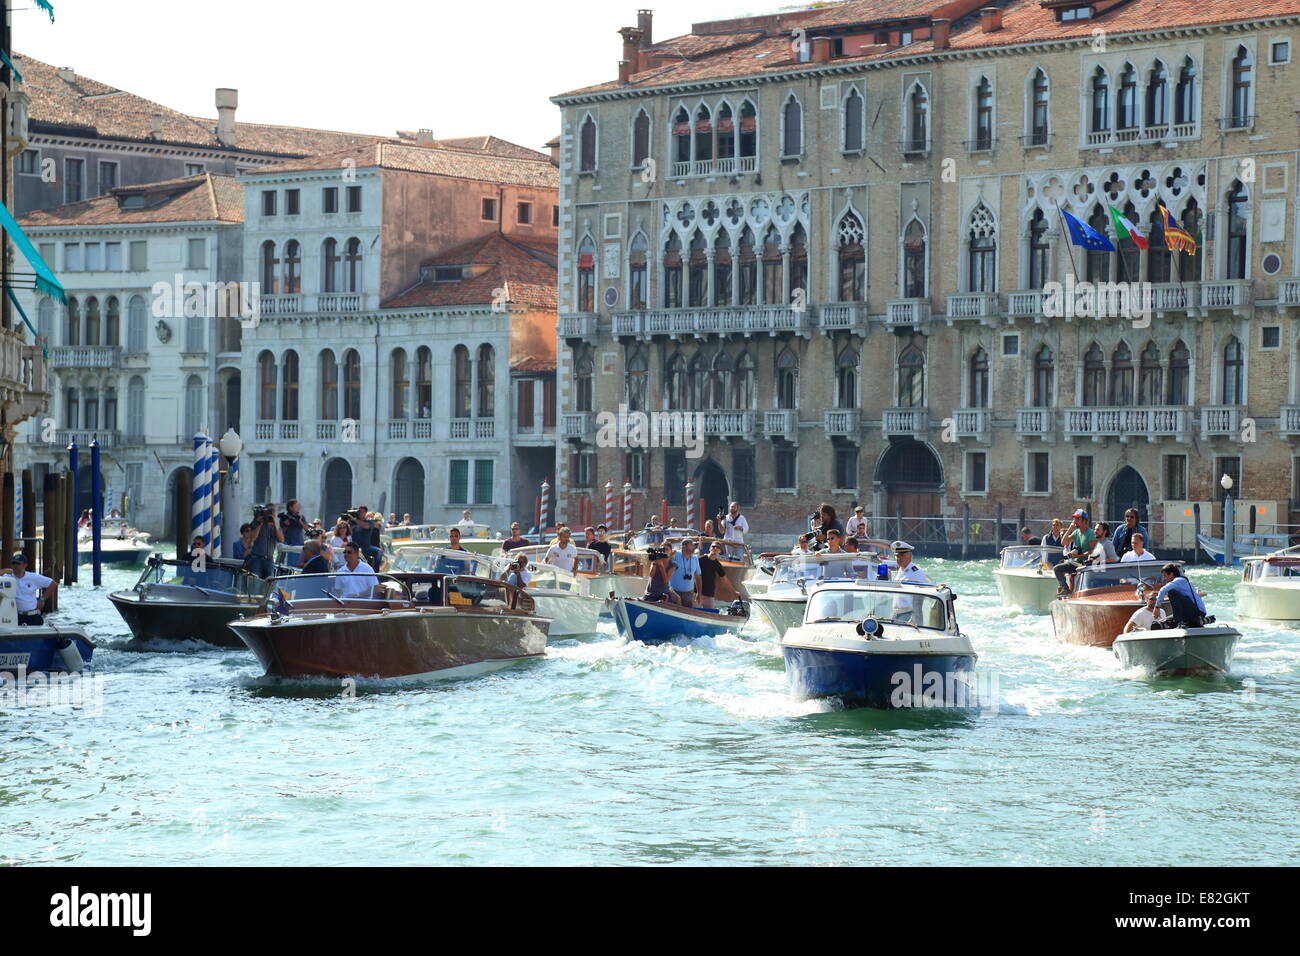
(870, 626)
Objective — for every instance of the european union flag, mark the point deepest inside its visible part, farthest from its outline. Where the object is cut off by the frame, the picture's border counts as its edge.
(1086, 237)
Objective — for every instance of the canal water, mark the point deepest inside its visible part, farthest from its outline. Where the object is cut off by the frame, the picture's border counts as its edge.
(615, 753)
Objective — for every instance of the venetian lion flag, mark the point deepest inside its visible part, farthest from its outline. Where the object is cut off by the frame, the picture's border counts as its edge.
(1126, 230)
(1177, 239)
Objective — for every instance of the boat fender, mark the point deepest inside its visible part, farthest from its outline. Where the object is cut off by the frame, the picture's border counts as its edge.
(868, 628)
(72, 662)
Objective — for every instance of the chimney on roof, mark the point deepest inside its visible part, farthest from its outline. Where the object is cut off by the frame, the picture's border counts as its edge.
(631, 53)
(624, 72)
(227, 101)
(939, 33)
(821, 49)
(424, 137)
(645, 23)
(67, 74)
(155, 125)
(990, 19)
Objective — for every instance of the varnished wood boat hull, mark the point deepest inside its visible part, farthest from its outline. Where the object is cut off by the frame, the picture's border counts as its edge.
(1091, 622)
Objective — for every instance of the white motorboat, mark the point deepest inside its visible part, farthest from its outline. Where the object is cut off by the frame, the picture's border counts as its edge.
(1179, 652)
(118, 544)
(1269, 589)
(573, 602)
(1025, 579)
(795, 575)
(1245, 546)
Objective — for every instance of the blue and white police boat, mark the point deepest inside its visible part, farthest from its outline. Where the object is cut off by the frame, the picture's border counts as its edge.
(660, 622)
(881, 644)
(38, 647)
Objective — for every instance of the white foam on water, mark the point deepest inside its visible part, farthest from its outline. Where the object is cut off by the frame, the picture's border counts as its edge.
(764, 706)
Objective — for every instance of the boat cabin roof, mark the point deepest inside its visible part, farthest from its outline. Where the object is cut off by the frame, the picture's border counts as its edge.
(1026, 555)
(1123, 574)
(793, 570)
(927, 606)
(428, 557)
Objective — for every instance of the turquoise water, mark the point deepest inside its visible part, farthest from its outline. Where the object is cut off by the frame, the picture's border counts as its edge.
(610, 753)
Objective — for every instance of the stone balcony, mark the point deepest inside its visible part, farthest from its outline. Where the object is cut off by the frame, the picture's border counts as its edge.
(473, 429)
(727, 166)
(345, 431)
(1126, 423)
(1221, 421)
(578, 327)
(982, 307)
(1288, 425)
(907, 313)
(974, 423)
(905, 422)
(305, 304)
(107, 438)
(1288, 293)
(578, 426)
(1233, 295)
(843, 316)
(1036, 423)
(721, 320)
(1025, 304)
(781, 423)
(86, 356)
(843, 423)
(1137, 135)
(277, 431)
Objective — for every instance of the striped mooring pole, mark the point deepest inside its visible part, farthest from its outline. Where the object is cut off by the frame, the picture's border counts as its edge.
(201, 495)
(690, 502)
(627, 507)
(609, 504)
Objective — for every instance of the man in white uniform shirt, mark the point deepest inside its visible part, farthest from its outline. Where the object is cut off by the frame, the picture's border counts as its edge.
(735, 527)
(906, 572)
(30, 593)
(563, 553)
(356, 578)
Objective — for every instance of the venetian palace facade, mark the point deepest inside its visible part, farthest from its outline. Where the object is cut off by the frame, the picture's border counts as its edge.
(832, 231)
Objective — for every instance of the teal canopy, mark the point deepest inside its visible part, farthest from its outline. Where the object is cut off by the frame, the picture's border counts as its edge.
(46, 281)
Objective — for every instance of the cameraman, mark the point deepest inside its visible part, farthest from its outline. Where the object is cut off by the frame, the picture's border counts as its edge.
(517, 573)
(365, 534)
(260, 559)
(293, 524)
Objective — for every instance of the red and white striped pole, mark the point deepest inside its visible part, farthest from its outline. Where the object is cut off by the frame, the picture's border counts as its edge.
(702, 518)
(690, 502)
(609, 504)
(663, 513)
(546, 504)
(627, 506)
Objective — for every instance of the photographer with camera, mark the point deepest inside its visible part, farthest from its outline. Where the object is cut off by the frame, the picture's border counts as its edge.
(517, 572)
(365, 534)
(658, 584)
(293, 524)
(260, 559)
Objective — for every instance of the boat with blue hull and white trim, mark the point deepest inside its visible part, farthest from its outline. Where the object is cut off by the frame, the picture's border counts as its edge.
(881, 644)
(27, 648)
(660, 622)
(795, 575)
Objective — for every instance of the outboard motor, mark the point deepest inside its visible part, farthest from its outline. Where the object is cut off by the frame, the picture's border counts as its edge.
(738, 609)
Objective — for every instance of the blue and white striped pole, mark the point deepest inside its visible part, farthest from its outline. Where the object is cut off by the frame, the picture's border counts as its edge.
(201, 509)
(215, 471)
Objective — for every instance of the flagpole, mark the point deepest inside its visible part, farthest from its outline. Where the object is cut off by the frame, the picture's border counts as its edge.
(1068, 243)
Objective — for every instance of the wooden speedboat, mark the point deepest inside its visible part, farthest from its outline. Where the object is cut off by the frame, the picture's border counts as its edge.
(659, 622)
(174, 602)
(881, 644)
(1104, 598)
(795, 575)
(1025, 579)
(1269, 589)
(1179, 652)
(398, 625)
(27, 648)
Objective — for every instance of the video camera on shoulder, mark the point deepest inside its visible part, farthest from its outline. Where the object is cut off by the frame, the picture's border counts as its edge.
(656, 554)
(263, 513)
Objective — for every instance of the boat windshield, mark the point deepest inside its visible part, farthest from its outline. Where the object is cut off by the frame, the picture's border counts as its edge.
(213, 577)
(586, 561)
(1272, 569)
(1116, 575)
(896, 606)
(789, 571)
(1030, 557)
(344, 589)
(441, 561)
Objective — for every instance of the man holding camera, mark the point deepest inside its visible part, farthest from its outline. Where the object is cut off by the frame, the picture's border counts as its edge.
(365, 534)
(517, 573)
(685, 578)
(260, 559)
(293, 524)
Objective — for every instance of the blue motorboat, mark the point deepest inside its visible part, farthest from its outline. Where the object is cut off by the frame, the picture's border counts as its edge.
(37, 647)
(1247, 545)
(881, 644)
(658, 622)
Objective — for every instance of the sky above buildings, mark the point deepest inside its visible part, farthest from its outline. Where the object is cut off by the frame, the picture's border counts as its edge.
(457, 68)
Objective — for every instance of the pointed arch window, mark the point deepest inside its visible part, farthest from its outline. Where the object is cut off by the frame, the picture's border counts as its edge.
(852, 259)
(846, 378)
(703, 134)
(640, 139)
(914, 270)
(726, 134)
(292, 267)
(1185, 94)
(982, 251)
(485, 401)
(748, 131)
(673, 266)
(1190, 267)
(911, 378)
(798, 262)
(638, 372)
(1098, 261)
(681, 136)
(918, 121)
(587, 145)
(460, 386)
(747, 265)
(1180, 375)
(983, 115)
(1238, 246)
(853, 124)
(1121, 375)
(698, 393)
(587, 275)
(73, 328)
(1100, 120)
(675, 383)
(742, 388)
(1243, 68)
(1129, 255)
(1094, 376)
(722, 381)
(637, 274)
(1151, 376)
(90, 404)
(787, 379)
(1158, 258)
(698, 272)
(1128, 98)
(270, 268)
(1040, 251)
(1157, 99)
(1233, 367)
(266, 387)
(1040, 110)
(978, 379)
(424, 382)
(773, 269)
(584, 382)
(289, 393)
(329, 386)
(1044, 385)
(792, 128)
(723, 294)
(400, 385)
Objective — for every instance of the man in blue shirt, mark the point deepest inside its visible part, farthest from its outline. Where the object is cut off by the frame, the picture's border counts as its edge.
(1124, 539)
(1187, 606)
(686, 574)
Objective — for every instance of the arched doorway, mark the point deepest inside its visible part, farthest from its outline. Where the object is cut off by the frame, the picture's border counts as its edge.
(337, 493)
(711, 488)
(408, 490)
(169, 505)
(910, 477)
(1127, 490)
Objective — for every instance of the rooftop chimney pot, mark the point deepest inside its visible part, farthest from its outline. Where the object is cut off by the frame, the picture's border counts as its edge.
(67, 74)
(990, 19)
(424, 136)
(939, 33)
(227, 101)
(821, 49)
(645, 23)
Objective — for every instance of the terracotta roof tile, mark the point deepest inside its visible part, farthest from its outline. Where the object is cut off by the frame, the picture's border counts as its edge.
(439, 161)
(205, 198)
(521, 267)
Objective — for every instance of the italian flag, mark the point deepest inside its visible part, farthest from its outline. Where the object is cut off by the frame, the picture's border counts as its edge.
(1126, 230)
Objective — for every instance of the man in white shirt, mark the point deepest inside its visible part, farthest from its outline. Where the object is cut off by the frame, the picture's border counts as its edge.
(356, 578)
(1139, 551)
(562, 553)
(858, 526)
(735, 527)
(906, 572)
(1145, 617)
(30, 593)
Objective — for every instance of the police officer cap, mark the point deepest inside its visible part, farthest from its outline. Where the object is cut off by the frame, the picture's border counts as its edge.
(902, 546)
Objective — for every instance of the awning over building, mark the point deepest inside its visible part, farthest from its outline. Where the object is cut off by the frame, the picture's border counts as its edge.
(46, 281)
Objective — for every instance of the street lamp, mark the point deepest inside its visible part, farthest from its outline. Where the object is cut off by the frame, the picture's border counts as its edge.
(1226, 481)
(1228, 523)
(230, 445)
